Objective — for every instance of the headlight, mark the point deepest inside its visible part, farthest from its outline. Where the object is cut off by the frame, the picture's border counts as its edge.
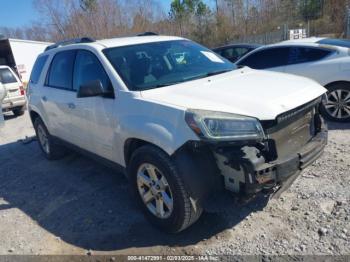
(224, 126)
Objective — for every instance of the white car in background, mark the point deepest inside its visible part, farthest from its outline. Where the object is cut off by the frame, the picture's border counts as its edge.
(15, 99)
(324, 60)
(2, 96)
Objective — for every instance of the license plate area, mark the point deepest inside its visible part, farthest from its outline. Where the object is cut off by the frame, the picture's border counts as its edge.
(292, 137)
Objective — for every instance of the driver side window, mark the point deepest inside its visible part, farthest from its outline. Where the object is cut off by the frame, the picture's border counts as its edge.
(88, 68)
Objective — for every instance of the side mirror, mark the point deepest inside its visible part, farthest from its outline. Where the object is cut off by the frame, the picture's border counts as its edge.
(91, 88)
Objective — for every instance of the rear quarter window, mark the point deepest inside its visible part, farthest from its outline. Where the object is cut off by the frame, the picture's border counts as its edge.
(6, 76)
(299, 55)
(37, 69)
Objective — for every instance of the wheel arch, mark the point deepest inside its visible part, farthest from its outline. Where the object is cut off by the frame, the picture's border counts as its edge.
(132, 144)
(345, 82)
(34, 115)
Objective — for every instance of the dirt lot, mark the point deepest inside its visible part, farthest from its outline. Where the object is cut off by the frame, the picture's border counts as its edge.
(75, 205)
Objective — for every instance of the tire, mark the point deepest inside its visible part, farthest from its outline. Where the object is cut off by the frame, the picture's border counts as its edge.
(51, 150)
(182, 212)
(19, 111)
(338, 107)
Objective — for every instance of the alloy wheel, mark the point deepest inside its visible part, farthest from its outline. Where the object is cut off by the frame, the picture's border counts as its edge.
(43, 139)
(155, 191)
(338, 105)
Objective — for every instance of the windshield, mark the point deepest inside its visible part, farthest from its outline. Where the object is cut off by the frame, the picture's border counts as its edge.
(159, 64)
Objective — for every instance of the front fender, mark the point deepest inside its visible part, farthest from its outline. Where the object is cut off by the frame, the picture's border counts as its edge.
(160, 125)
(169, 135)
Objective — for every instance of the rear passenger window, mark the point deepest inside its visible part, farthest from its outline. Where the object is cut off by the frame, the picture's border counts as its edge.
(61, 70)
(299, 55)
(267, 58)
(37, 68)
(6, 76)
(88, 68)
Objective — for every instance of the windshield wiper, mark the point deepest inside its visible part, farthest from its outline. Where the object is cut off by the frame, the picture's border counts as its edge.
(162, 85)
(209, 74)
(218, 72)
(189, 79)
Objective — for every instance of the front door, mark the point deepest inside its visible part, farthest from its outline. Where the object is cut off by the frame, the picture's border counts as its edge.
(93, 121)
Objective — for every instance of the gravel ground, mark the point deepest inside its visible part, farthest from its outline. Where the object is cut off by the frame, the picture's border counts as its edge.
(77, 206)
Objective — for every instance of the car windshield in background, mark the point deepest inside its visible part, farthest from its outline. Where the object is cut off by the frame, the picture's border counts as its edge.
(6, 77)
(154, 65)
(335, 42)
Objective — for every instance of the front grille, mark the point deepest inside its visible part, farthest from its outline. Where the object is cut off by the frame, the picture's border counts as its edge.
(293, 129)
(290, 116)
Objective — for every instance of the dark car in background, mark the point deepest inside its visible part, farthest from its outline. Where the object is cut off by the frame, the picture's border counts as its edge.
(233, 52)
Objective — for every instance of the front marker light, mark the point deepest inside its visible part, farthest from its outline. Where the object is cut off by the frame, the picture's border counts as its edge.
(224, 126)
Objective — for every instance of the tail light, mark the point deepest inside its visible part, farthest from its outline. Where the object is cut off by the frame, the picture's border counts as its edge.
(21, 89)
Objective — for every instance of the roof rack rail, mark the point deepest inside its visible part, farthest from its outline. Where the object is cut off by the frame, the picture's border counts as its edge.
(71, 41)
(147, 34)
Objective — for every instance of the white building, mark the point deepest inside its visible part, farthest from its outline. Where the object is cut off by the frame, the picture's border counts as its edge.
(20, 55)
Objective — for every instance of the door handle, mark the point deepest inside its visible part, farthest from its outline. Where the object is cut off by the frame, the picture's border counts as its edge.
(71, 105)
(44, 98)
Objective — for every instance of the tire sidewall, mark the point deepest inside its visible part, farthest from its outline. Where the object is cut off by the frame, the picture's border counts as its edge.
(38, 122)
(174, 222)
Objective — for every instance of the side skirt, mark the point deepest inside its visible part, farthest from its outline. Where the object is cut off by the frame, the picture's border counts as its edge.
(106, 162)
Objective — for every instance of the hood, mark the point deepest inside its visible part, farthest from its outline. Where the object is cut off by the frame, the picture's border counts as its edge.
(260, 94)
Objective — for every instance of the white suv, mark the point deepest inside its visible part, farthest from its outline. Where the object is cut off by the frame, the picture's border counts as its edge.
(184, 128)
(15, 99)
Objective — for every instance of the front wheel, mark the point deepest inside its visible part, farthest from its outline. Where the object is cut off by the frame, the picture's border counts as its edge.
(337, 108)
(160, 191)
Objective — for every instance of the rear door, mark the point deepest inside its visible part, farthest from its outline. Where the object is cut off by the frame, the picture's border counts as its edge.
(11, 83)
(57, 94)
(273, 59)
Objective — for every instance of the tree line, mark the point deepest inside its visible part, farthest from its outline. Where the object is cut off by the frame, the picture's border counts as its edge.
(210, 22)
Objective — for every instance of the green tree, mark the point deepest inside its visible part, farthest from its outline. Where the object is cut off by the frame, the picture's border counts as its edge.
(178, 13)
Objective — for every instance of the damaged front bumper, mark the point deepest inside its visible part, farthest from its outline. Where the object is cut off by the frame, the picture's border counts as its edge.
(246, 170)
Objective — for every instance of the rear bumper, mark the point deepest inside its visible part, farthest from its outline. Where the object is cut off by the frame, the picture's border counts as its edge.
(11, 103)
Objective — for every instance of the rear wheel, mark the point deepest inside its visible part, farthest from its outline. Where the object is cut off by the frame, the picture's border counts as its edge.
(50, 149)
(337, 108)
(160, 191)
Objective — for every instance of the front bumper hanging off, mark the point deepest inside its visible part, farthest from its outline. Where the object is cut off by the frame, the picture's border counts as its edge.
(247, 171)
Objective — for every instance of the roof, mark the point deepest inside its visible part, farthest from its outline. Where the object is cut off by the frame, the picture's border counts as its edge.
(113, 42)
(304, 40)
(4, 66)
(133, 40)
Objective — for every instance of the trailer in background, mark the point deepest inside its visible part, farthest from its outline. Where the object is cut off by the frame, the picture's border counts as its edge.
(20, 55)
